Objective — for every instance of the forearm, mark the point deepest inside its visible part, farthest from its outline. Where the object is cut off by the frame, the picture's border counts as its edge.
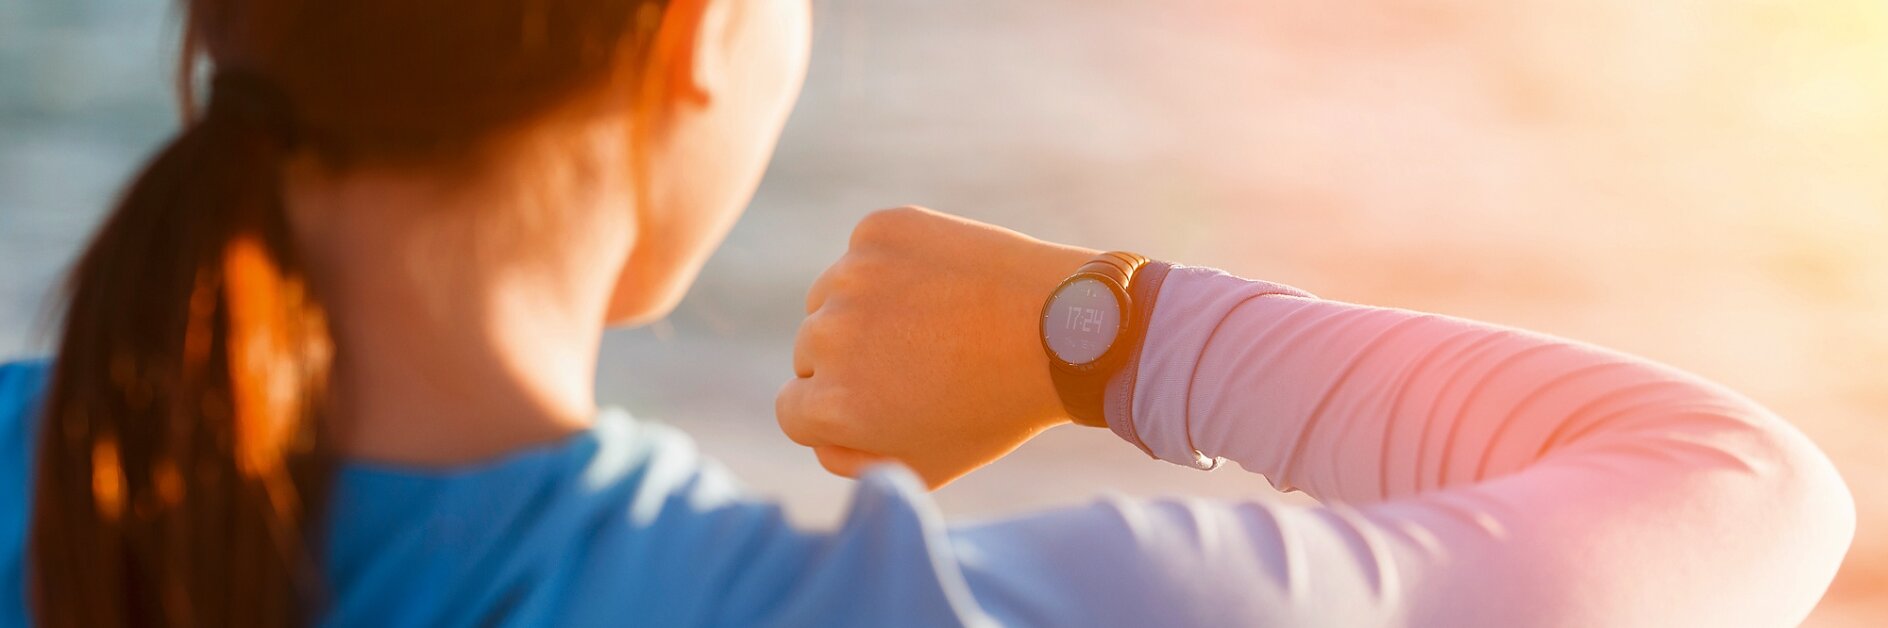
(1472, 475)
(1539, 461)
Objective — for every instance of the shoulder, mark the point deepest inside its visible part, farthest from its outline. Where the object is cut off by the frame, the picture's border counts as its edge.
(22, 384)
(21, 381)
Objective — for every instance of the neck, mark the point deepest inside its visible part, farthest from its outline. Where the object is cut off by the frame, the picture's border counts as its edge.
(460, 334)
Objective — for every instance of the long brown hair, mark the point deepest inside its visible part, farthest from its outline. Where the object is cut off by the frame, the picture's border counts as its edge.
(183, 463)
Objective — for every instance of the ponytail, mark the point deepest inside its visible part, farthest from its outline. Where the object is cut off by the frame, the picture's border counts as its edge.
(182, 460)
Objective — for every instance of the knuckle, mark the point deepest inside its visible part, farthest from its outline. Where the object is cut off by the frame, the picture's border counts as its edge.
(809, 414)
(816, 330)
(812, 337)
(835, 462)
(790, 410)
(883, 224)
(834, 282)
(839, 275)
(870, 229)
(862, 275)
(783, 402)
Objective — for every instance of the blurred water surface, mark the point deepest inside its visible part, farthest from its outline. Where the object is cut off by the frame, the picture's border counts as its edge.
(1703, 183)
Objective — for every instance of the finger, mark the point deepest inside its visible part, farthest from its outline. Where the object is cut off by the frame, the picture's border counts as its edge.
(808, 344)
(835, 280)
(886, 225)
(822, 287)
(794, 411)
(845, 461)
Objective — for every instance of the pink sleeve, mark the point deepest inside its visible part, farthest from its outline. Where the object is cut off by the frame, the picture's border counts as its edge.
(1478, 475)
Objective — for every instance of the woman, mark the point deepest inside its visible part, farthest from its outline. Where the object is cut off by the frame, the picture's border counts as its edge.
(329, 361)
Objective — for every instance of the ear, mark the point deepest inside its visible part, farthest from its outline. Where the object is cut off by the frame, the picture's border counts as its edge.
(692, 42)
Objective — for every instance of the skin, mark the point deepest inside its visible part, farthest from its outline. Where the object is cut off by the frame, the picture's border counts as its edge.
(921, 345)
(468, 310)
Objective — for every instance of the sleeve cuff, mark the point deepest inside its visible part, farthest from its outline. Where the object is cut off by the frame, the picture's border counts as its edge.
(1118, 398)
(1146, 400)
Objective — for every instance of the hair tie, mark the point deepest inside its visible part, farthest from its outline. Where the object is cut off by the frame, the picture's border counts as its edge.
(249, 98)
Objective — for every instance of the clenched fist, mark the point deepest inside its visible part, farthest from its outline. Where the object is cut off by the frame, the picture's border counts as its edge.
(921, 345)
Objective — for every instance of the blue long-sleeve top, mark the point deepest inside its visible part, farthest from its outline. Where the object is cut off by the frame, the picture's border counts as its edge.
(1469, 475)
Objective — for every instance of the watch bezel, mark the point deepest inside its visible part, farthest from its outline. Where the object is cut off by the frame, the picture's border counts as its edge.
(1108, 356)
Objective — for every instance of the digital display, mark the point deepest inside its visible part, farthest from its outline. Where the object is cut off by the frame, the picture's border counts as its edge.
(1082, 321)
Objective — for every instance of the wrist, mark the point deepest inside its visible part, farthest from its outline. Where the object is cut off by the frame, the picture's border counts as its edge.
(1044, 269)
(1088, 328)
(1052, 265)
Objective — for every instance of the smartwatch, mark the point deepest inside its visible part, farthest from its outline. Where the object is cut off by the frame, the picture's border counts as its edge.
(1088, 330)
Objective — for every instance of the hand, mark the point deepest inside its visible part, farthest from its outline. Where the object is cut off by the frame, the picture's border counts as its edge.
(921, 345)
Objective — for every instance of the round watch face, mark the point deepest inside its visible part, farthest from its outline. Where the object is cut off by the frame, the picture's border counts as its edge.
(1082, 321)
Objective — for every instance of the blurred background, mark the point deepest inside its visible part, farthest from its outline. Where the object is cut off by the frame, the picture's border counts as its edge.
(1705, 183)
